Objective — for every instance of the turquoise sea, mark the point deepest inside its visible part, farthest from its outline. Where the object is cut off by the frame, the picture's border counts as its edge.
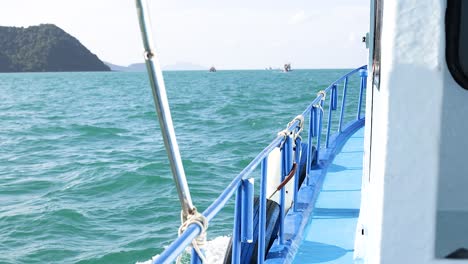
(84, 176)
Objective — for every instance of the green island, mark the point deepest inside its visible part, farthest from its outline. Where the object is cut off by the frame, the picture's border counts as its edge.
(44, 48)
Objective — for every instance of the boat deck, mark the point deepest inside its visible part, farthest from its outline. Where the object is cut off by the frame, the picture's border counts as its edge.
(329, 235)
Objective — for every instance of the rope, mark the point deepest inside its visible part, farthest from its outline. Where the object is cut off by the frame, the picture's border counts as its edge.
(283, 133)
(297, 133)
(199, 242)
(286, 180)
(319, 105)
(323, 94)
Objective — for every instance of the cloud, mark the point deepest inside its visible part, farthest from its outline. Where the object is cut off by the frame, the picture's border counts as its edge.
(298, 18)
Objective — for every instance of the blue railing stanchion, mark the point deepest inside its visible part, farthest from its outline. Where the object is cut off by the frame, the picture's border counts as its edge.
(244, 190)
(195, 259)
(289, 155)
(236, 242)
(297, 175)
(284, 171)
(247, 225)
(319, 127)
(310, 137)
(331, 107)
(262, 213)
(343, 104)
(334, 101)
(313, 121)
(363, 74)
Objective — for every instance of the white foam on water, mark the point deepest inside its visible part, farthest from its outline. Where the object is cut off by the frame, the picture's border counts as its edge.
(215, 250)
(149, 261)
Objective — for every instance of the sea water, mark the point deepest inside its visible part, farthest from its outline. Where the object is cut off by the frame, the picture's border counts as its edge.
(84, 176)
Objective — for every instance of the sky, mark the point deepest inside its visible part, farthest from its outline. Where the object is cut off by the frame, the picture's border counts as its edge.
(236, 34)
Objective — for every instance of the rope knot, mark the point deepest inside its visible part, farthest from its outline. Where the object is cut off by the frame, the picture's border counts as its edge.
(195, 218)
(319, 105)
(323, 94)
(297, 134)
(284, 133)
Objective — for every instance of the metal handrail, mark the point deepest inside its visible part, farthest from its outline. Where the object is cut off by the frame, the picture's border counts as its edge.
(314, 110)
(161, 103)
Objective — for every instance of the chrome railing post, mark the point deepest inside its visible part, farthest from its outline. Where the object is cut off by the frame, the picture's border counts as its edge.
(343, 104)
(162, 108)
(363, 74)
(262, 213)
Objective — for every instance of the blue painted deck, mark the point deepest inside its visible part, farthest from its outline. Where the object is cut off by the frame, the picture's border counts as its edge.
(329, 235)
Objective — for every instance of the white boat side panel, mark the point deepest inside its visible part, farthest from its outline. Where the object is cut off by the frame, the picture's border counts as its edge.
(453, 183)
(452, 207)
(406, 137)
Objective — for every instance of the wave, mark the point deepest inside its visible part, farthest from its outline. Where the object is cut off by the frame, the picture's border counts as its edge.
(215, 250)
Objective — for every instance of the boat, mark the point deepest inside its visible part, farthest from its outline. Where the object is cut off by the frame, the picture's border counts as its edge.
(287, 67)
(212, 69)
(387, 186)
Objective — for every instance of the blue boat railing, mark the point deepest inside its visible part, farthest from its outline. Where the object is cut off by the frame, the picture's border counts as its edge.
(242, 186)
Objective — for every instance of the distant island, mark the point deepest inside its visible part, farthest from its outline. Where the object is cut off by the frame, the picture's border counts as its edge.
(44, 48)
(135, 67)
(184, 66)
(140, 67)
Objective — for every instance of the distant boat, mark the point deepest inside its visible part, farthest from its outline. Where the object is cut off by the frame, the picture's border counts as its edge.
(287, 67)
(212, 69)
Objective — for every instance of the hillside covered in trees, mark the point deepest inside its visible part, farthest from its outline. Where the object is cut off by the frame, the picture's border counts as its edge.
(44, 48)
